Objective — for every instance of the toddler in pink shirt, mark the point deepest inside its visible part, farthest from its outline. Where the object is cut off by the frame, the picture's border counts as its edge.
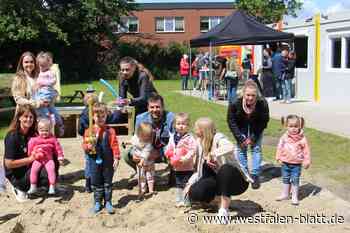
(44, 147)
(293, 152)
(180, 151)
(45, 91)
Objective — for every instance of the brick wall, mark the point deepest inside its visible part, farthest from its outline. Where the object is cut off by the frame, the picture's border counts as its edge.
(191, 21)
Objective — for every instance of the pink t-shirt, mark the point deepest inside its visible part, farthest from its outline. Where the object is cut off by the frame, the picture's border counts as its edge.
(48, 146)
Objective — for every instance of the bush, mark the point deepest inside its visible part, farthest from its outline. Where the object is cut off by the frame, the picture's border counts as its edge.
(86, 61)
(163, 62)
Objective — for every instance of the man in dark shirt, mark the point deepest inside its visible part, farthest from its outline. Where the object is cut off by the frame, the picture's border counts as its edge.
(137, 83)
(278, 70)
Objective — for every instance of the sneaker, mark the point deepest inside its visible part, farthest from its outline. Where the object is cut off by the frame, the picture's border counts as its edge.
(52, 190)
(282, 198)
(295, 202)
(288, 102)
(256, 182)
(33, 189)
(150, 194)
(109, 207)
(246, 174)
(222, 216)
(97, 208)
(20, 195)
(179, 204)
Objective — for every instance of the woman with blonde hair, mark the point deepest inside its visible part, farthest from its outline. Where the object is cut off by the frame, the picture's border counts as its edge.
(247, 119)
(217, 172)
(24, 81)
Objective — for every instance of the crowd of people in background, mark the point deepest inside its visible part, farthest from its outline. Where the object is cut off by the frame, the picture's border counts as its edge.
(274, 78)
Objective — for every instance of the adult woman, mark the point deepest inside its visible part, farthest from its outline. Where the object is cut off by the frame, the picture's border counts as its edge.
(195, 72)
(290, 70)
(137, 82)
(247, 119)
(16, 160)
(217, 173)
(184, 71)
(267, 78)
(247, 67)
(217, 81)
(232, 75)
(24, 81)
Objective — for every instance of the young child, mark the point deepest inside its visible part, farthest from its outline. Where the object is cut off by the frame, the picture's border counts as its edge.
(292, 151)
(142, 147)
(45, 91)
(54, 67)
(180, 151)
(107, 148)
(83, 125)
(45, 146)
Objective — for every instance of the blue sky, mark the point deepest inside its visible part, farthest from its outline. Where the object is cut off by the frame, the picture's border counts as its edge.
(310, 7)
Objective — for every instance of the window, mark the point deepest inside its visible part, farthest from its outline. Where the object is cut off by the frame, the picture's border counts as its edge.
(301, 46)
(170, 24)
(208, 22)
(336, 53)
(347, 52)
(128, 25)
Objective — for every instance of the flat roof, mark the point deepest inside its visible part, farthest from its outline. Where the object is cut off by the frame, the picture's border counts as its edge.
(185, 5)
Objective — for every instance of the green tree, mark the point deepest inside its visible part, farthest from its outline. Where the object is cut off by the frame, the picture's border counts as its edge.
(72, 29)
(269, 11)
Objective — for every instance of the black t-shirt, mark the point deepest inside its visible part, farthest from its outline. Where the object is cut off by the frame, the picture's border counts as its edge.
(15, 148)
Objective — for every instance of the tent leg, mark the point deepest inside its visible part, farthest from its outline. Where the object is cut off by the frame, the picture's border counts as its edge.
(211, 80)
(190, 74)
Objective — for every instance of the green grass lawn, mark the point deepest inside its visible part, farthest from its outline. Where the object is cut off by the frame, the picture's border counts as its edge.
(5, 80)
(330, 153)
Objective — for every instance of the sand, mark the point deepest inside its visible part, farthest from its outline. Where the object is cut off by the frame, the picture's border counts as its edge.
(69, 211)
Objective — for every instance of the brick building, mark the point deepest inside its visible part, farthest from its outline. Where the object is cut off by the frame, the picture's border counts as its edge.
(166, 22)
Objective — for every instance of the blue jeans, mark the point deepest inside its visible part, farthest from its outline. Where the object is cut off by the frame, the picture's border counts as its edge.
(210, 91)
(44, 112)
(87, 172)
(184, 79)
(256, 157)
(291, 173)
(101, 180)
(231, 92)
(278, 87)
(181, 178)
(286, 89)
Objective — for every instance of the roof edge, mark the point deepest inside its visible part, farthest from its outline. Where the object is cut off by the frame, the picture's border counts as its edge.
(185, 5)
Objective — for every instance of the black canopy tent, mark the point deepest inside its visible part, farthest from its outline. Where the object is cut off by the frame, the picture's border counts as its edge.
(238, 28)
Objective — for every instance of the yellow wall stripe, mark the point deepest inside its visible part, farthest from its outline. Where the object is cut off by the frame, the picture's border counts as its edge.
(317, 57)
